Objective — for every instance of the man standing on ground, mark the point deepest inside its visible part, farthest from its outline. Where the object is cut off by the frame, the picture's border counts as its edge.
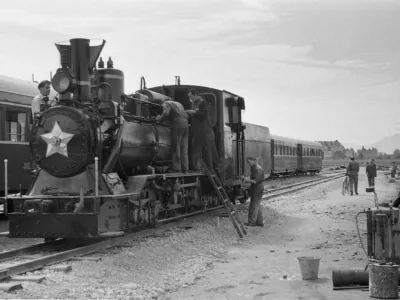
(371, 173)
(394, 169)
(352, 171)
(256, 191)
(42, 98)
(179, 134)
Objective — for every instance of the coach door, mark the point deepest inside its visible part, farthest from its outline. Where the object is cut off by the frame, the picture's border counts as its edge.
(299, 157)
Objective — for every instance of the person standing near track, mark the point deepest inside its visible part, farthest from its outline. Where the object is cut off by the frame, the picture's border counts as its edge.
(352, 171)
(394, 169)
(371, 173)
(256, 191)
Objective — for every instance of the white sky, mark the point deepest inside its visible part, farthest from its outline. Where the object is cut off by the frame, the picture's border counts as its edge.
(316, 70)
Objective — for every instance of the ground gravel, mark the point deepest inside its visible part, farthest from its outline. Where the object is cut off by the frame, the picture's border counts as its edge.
(153, 267)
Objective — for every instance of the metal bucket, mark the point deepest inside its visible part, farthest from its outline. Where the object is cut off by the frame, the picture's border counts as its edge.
(383, 281)
(309, 267)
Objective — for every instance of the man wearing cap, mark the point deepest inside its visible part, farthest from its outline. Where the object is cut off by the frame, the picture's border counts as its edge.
(200, 141)
(256, 191)
(371, 173)
(352, 171)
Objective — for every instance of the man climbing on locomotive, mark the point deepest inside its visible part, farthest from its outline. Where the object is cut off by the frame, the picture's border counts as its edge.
(41, 100)
(179, 134)
(257, 177)
(199, 143)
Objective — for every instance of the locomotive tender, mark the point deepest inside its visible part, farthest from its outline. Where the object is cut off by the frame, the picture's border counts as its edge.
(104, 158)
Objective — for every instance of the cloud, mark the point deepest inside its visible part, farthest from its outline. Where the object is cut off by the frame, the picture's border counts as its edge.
(258, 4)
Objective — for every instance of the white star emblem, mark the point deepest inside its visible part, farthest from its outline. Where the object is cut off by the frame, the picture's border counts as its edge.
(57, 141)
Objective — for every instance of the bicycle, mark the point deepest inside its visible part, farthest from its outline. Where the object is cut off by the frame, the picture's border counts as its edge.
(346, 186)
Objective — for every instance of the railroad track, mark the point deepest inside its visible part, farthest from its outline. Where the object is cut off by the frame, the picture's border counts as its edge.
(273, 193)
(38, 256)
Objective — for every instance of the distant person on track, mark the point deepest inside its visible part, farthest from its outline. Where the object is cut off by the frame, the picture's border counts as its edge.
(256, 191)
(42, 99)
(352, 171)
(179, 134)
(371, 173)
(394, 169)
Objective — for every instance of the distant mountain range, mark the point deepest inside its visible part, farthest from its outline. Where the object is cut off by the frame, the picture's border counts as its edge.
(387, 144)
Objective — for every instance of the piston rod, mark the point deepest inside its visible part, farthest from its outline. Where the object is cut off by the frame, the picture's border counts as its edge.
(96, 176)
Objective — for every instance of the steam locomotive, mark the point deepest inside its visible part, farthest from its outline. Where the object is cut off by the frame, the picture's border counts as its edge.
(103, 158)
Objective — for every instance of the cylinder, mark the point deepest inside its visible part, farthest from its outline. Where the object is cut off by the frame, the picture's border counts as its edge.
(80, 56)
(115, 78)
(383, 281)
(349, 277)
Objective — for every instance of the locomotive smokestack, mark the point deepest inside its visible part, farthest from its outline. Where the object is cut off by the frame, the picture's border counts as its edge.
(80, 56)
(77, 61)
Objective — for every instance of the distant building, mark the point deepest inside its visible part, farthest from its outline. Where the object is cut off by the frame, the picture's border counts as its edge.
(332, 149)
(368, 153)
(349, 152)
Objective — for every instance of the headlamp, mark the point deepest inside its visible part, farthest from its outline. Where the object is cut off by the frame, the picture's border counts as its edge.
(63, 81)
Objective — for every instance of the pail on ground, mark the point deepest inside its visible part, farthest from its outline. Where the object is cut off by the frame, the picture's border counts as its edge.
(309, 267)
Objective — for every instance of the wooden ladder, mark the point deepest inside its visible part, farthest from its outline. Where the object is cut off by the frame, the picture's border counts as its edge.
(223, 197)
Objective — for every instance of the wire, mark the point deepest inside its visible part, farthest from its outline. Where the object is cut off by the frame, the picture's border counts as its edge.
(358, 232)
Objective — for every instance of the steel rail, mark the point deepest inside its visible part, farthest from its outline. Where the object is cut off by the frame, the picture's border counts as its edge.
(299, 183)
(87, 249)
(304, 186)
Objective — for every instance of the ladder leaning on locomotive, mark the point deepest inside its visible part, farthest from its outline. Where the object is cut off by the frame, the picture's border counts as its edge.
(104, 158)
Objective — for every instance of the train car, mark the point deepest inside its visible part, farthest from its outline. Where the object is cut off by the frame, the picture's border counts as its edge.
(311, 157)
(284, 156)
(16, 121)
(104, 158)
(258, 145)
(15, 118)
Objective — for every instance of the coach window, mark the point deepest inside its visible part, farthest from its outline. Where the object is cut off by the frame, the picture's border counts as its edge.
(15, 126)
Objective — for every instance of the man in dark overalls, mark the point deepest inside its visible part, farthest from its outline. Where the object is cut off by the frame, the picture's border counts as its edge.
(256, 191)
(393, 171)
(352, 171)
(179, 134)
(371, 173)
(200, 150)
